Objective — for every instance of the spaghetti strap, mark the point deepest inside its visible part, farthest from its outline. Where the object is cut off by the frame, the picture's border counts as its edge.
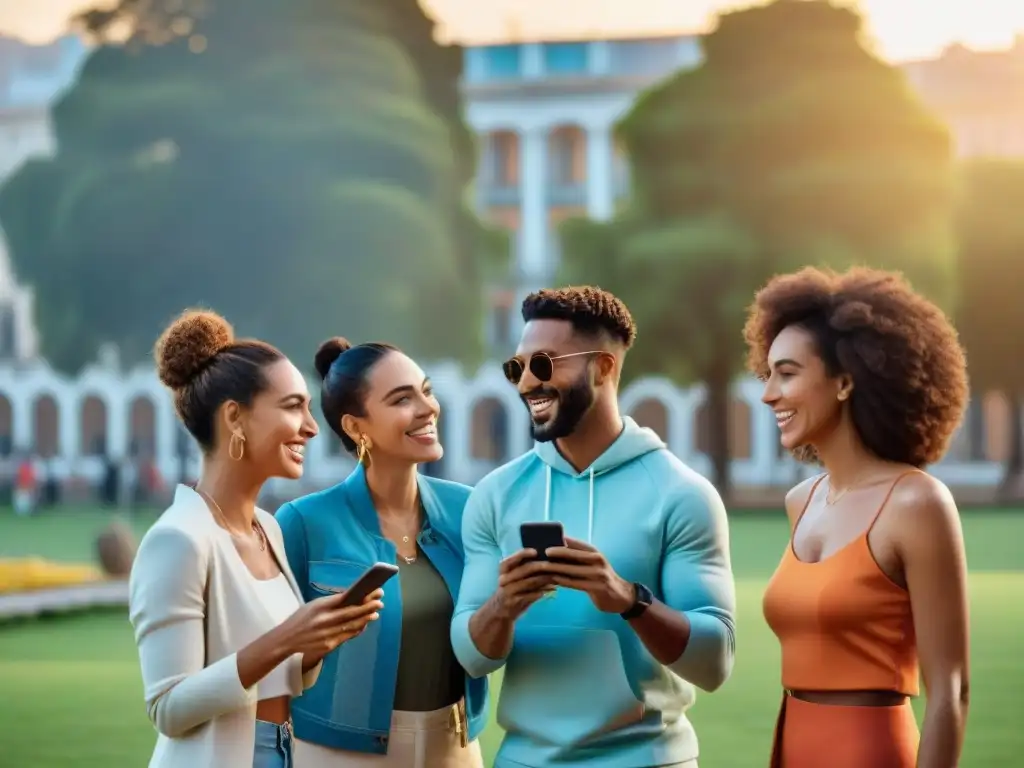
(814, 489)
(881, 507)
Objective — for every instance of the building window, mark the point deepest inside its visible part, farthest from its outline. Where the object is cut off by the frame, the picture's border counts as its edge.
(644, 57)
(565, 58)
(502, 61)
(567, 156)
(501, 159)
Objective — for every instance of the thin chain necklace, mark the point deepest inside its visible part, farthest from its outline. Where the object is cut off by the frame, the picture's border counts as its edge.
(413, 558)
(409, 560)
(829, 502)
(256, 527)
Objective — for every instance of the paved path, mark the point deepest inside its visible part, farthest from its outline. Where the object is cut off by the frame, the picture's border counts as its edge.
(64, 599)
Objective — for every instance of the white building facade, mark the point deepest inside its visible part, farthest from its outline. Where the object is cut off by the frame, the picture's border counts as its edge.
(545, 114)
(74, 424)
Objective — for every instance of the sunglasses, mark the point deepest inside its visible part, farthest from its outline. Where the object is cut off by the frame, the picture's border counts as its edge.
(541, 365)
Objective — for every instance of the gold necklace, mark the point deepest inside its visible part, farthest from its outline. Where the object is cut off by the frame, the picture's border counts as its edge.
(406, 538)
(256, 527)
(409, 560)
(835, 499)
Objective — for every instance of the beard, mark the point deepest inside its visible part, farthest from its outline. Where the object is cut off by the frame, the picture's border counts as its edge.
(571, 406)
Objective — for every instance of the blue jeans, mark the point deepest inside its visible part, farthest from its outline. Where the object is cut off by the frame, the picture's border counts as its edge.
(273, 746)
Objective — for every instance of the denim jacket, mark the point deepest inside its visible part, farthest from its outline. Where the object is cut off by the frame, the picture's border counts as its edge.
(330, 538)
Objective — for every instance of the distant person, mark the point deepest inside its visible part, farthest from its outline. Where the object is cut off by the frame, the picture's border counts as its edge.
(153, 481)
(145, 482)
(111, 487)
(868, 379)
(51, 483)
(642, 600)
(224, 639)
(396, 697)
(25, 487)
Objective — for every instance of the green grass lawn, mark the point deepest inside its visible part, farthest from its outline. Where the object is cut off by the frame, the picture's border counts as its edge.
(71, 694)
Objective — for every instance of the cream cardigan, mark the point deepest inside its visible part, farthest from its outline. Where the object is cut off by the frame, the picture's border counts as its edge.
(193, 605)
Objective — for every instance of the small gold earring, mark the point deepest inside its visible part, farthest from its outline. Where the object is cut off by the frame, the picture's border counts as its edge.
(240, 438)
(841, 396)
(363, 452)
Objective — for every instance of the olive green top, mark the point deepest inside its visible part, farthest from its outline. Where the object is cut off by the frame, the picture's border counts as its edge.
(429, 676)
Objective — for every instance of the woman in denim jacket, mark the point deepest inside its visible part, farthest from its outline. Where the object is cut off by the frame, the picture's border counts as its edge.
(396, 690)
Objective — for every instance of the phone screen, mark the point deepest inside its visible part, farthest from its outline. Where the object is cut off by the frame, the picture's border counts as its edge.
(541, 536)
(372, 578)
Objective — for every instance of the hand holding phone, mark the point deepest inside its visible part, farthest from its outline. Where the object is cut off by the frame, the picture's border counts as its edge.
(542, 536)
(522, 577)
(373, 578)
(321, 625)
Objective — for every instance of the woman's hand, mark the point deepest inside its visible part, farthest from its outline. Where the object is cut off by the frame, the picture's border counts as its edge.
(320, 626)
(316, 629)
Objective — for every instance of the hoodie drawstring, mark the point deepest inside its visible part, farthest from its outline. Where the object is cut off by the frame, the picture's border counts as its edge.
(547, 493)
(590, 509)
(590, 501)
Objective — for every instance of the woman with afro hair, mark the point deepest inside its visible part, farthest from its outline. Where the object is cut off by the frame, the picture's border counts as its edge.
(867, 378)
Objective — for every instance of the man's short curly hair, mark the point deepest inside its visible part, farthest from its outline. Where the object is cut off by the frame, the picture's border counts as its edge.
(589, 309)
(909, 371)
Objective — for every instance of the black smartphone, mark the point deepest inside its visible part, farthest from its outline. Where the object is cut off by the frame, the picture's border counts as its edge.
(374, 577)
(541, 536)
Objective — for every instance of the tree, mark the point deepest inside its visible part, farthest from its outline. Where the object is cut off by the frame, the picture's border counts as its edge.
(991, 234)
(283, 163)
(789, 145)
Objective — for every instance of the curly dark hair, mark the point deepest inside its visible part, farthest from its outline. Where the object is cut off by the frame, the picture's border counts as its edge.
(199, 359)
(590, 310)
(908, 367)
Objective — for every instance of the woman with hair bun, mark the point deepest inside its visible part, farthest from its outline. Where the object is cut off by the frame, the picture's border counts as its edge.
(396, 696)
(224, 637)
(867, 378)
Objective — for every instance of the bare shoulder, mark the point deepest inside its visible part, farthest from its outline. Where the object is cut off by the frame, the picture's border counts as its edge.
(798, 496)
(923, 512)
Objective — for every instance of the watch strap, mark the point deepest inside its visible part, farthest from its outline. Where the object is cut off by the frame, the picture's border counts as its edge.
(641, 602)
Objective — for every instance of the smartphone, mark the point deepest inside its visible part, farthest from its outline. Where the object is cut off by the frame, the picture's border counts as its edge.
(374, 577)
(541, 536)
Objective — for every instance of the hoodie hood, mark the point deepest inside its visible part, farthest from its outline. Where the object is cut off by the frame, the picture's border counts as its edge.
(633, 442)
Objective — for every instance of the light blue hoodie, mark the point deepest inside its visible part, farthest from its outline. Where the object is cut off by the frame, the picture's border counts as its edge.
(579, 687)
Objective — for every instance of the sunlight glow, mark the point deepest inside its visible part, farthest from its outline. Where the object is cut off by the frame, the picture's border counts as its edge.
(902, 29)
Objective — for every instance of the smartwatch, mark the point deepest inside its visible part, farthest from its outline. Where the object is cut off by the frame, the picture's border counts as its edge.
(641, 603)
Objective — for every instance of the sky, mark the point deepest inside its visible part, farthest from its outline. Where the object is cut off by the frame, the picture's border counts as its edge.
(900, 29)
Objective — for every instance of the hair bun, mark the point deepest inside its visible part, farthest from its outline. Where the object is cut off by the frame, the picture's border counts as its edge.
(188, 345)
(328, 352)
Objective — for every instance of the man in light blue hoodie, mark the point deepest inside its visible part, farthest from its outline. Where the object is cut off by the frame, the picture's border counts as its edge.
(641, 600)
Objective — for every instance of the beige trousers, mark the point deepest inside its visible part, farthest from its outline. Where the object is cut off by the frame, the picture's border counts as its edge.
(417, 740)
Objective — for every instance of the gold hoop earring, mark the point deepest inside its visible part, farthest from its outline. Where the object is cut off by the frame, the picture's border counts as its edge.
(841, 396)
(363, 452)
(241, 446)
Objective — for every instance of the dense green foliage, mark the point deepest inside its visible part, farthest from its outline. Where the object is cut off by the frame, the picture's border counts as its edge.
(299, 167)
(991, 235)
(990, 231)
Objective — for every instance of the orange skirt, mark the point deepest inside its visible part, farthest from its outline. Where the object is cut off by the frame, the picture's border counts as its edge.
(825, 736)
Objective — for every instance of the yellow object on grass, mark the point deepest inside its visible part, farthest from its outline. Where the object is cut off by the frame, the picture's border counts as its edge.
(24, 574)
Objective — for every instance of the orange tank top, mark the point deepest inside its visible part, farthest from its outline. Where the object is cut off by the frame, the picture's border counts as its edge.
(842, 623)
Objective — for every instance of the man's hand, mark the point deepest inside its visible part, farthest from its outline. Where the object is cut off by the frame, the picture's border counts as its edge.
(522, 581)
(580, 566)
